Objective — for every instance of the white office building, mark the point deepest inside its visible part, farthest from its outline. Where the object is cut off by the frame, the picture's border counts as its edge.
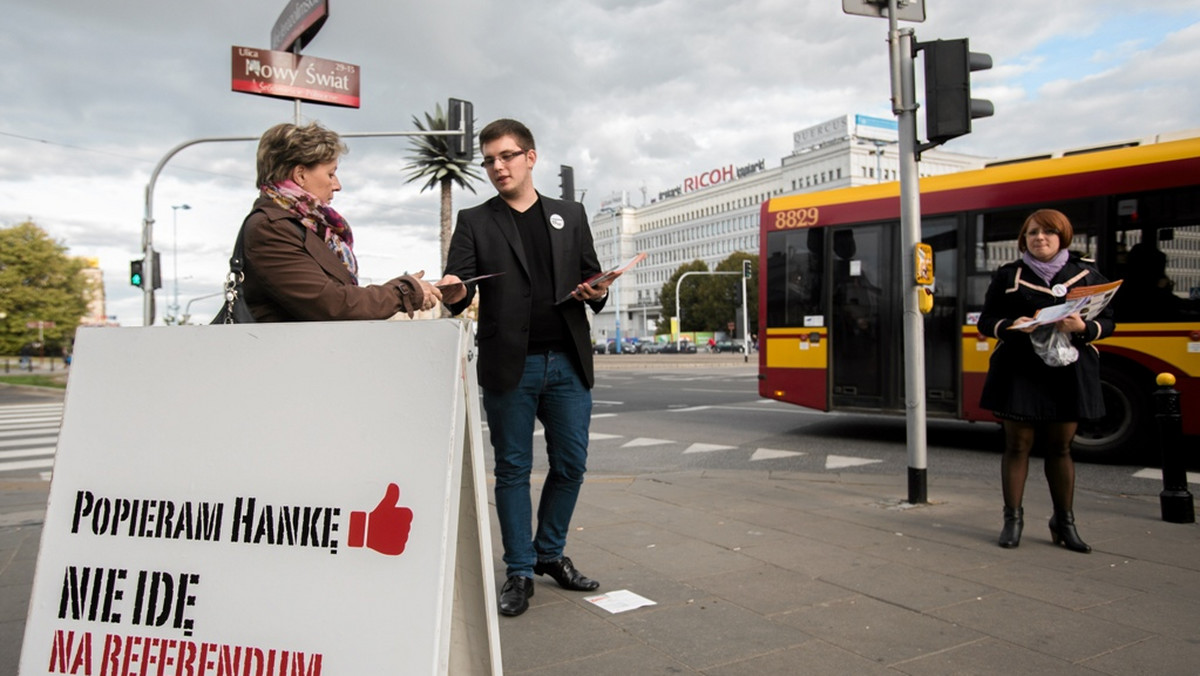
(709, 216)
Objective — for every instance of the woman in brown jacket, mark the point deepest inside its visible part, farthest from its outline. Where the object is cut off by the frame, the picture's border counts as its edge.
(299, 252)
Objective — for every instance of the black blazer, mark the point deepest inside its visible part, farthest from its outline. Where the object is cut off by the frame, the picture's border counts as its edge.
(1019, 384)
(486, 241)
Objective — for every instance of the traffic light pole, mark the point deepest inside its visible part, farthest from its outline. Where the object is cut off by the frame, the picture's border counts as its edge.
(904, 106)
(149, 274)
(678, 306)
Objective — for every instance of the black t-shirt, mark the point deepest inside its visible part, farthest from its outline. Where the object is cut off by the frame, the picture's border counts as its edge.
(547, 330)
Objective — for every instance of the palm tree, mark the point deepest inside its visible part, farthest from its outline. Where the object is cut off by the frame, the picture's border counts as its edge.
(435, 163)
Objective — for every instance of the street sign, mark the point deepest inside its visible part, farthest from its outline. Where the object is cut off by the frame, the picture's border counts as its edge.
(906, 10)
(39, 325)
(299, 21)
(286, 75)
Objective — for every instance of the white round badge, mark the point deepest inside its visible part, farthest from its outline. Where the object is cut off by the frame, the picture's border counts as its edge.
(1059, 290)
(556, 221)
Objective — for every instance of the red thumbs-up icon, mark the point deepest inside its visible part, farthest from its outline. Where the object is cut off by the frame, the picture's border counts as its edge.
(386, 528)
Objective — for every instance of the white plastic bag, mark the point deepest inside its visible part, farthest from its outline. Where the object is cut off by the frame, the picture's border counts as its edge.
(1053, 346)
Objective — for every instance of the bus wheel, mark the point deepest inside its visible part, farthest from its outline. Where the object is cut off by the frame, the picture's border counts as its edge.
(1126, 420)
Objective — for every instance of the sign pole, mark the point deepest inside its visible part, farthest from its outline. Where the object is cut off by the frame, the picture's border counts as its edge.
(296, 107)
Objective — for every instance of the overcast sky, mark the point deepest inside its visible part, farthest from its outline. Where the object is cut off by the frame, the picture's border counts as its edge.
(636, 95)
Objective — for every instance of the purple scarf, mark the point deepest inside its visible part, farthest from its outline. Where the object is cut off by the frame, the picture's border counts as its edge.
(312, 212)
(1047, 269)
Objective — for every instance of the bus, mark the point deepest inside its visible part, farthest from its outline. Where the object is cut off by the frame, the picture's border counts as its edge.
(831, 308)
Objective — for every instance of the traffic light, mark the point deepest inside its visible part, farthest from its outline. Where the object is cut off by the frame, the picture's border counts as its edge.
(462, 114)
(567, 182)
(135, 273)
(949, 107)
(745, 269)
(157, 270)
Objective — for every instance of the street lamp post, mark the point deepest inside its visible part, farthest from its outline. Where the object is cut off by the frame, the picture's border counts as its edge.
(175, 254)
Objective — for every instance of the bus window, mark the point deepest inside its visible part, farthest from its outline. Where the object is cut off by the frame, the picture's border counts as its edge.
(1158, 255)
(795, 276)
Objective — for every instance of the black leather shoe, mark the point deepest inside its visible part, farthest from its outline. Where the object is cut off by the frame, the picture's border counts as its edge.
(1014, 521)
(1063, 532)
(514, 597)
(564, 572)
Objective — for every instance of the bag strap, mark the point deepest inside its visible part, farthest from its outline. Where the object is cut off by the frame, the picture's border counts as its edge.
(236, 274)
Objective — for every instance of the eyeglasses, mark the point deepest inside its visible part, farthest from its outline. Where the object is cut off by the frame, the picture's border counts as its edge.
(502, 158)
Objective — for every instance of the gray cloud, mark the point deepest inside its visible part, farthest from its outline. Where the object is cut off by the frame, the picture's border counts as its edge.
(633, 93)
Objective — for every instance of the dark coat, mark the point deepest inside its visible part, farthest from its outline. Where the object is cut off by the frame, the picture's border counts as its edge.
(1019, 384)
(292, 275)
(486, 241)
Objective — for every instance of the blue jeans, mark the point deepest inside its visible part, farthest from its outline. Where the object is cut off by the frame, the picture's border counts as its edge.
(550, 391)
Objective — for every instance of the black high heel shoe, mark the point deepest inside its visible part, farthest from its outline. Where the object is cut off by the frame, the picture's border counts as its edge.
(1014, 521)
(1062, 531)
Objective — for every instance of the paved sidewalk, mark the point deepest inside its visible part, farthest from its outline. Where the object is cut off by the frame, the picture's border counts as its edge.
(787, 573)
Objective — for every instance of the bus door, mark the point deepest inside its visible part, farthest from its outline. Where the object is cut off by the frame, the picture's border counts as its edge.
(865, 335)
(867, 310)
(942, 325)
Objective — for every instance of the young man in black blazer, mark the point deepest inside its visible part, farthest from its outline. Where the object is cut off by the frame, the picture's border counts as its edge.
(535, 352)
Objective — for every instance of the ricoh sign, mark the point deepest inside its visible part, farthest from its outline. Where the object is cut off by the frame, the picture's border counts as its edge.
(713, 177)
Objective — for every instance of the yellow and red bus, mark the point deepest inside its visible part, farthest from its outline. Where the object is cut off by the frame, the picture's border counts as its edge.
(830, 310)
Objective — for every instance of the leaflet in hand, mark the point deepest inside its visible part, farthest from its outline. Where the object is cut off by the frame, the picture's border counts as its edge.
(1088, 301)
(468, 281)
(608, 274)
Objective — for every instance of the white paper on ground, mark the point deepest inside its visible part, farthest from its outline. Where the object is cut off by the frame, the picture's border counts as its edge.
(619, 601)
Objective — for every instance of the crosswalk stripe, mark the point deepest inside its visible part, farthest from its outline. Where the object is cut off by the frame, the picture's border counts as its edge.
(31, 407)
(28, 452)
(25, 442)
(28, 434)
(707, 448)
(26, 464)
(645, 441)
(4, 420)
(771, 453)
(1156, 474)
(840, 461)
(9, 432)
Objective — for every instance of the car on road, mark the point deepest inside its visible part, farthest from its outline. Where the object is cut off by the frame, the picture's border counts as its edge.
(730, 346)
(683, 347)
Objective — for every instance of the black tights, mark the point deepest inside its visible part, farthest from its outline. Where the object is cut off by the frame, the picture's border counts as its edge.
(1056, 439)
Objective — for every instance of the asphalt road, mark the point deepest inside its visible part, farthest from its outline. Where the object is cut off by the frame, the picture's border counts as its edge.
(661, 413)
(663, 418)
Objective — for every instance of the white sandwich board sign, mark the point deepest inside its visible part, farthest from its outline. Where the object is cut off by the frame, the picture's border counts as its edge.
(267, 499)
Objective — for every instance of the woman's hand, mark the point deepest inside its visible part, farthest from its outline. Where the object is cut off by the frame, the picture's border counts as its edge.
(1023, 329)
(1072, 323)
(430, 294)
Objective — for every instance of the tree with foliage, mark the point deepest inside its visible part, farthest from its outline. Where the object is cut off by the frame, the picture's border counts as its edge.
(435, 163)
(689, 297)
(38, 282)
(727, 292)
(710, 302)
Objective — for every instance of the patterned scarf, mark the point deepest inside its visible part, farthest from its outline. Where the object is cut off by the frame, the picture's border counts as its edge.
(1047, 269)
(312, 213)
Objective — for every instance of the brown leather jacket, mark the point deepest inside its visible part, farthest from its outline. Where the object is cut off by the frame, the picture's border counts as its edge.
(292, 275)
